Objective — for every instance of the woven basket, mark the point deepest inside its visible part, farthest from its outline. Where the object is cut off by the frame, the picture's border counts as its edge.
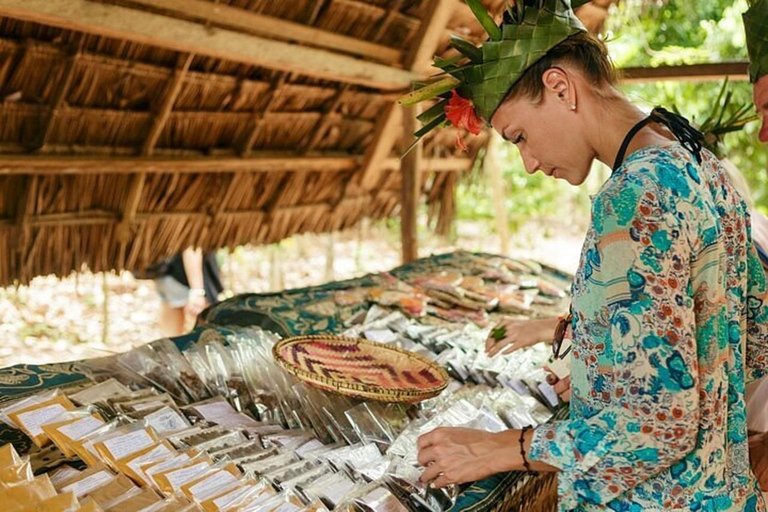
(360, 368)
(536, 493)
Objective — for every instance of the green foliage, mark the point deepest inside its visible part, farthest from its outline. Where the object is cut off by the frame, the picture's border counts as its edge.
(643, 33)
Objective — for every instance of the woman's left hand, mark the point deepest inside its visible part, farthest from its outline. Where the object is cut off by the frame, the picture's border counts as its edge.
(461, 455)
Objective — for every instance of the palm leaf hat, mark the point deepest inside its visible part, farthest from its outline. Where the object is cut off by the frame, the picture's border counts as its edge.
(471, 86)
(756, 28)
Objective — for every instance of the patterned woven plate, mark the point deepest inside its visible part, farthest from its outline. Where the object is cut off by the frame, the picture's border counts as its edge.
(360, 368)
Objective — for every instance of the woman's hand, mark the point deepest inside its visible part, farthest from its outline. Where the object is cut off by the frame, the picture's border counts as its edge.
(518, 334)
(461, 455)
(561, 386)
(195, 305)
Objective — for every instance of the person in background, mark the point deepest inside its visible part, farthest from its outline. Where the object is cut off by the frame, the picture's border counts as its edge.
(187, 283)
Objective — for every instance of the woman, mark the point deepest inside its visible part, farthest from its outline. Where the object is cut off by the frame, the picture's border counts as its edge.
(669, 320)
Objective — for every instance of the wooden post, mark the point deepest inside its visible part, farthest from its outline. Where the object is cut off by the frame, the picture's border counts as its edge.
(105, 311)
(330, 259)
(409, 202)
(498, 189)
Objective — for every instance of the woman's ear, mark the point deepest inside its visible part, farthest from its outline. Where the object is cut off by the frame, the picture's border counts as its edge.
(559, 83)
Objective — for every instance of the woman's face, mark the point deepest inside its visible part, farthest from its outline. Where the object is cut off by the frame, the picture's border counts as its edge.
(549, 135)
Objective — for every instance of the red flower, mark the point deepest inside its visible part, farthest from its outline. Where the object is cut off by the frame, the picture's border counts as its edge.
(461, 113)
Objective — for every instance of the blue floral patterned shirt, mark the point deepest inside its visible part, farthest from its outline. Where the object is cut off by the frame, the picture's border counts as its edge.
(669, 323)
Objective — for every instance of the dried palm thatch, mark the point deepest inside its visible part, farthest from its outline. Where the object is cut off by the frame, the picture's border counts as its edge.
(122, 144)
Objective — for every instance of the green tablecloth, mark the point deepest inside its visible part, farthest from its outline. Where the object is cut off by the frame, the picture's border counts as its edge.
(292, 312)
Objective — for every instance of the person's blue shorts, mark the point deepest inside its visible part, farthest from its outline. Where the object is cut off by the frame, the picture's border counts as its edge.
(172, 292)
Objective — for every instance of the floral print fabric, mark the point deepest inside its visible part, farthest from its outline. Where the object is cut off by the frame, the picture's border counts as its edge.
(669, 323)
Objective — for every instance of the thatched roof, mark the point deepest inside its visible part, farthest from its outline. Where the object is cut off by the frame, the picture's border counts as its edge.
(130, 129)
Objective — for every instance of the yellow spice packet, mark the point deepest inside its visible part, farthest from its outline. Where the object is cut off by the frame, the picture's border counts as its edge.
(16, 498)
(31, 419)
(169, 481)
(64, 433)
(131, 464)
(59, 503)
(211, 483)
(123, 445)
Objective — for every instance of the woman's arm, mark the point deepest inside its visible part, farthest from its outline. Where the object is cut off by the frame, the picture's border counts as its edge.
(459, 455)
(635, 369)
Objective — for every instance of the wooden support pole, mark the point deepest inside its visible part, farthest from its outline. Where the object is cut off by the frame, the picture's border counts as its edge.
(411, 192)
(498, 189)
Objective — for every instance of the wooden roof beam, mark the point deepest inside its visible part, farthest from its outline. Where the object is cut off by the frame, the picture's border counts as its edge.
(59, 97)
(11, 165)
(190, 37)
(689, 72)
(96, 217)
(173, 88)
(222, 15)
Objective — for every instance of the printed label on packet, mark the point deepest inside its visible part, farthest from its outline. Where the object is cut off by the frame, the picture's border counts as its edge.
(81, 428)
(181, 476)
(34, 420)
(88, 484)
(211, 486)
(124, 445)
(159, 452)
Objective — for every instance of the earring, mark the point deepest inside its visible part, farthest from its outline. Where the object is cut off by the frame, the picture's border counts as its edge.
(573, 107)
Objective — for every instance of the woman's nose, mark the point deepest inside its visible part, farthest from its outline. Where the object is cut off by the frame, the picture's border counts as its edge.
(530, 163)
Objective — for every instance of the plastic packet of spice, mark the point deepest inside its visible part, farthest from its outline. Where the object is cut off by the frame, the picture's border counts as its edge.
(130, 465)
(246, 459)
(179, 365)
(100, 391)
(233, 497)
(166, 420)
(136, 500)
(71, 426)
(173, 504)
(85, 482)
(170, 481)
(30, 419)
(112, 491)
(212, 438)
(333, 491)
(248, 358)
(27, 494)
(151, 468)
(146, 363)
(13, 468)
(125, 441)
(238, 451)
(255, 469)
(289, 472)
(211, 483)
(22, 403)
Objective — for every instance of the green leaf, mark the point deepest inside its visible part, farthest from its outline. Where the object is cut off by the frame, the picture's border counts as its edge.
(432, 112)
(437, 121)
(467, 49)
(447, 64)
(485, 19)
(429, 92)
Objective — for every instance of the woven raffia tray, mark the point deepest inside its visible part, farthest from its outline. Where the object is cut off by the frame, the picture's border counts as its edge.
(360, 368)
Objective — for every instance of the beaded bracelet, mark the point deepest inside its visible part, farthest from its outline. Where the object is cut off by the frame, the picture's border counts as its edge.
(522, 447)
